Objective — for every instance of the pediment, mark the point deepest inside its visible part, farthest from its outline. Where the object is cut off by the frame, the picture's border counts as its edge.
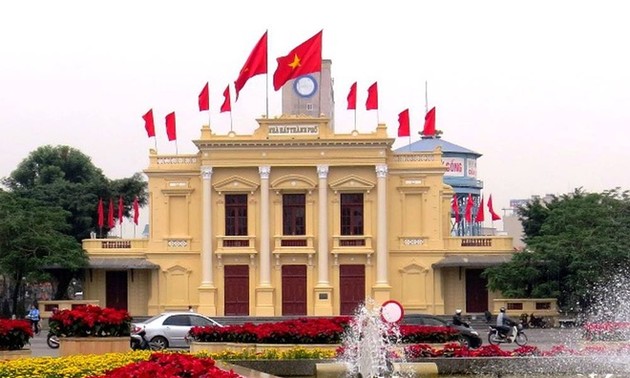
(177, 269)
(235, 184)
(413, 269)
(352, 183)
(293, 182)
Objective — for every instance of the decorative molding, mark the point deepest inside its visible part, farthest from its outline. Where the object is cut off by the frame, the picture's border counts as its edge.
(236, 184)
(412, 241)
(293, 182)
(264, 171)
(206, 172)
(352, 183)
(381, 170)
(322, 171)
(402, 158)
(172, 160)
(177, 243)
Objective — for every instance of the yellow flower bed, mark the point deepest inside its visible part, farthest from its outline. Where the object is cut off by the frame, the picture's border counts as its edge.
(271, 354)
(80, 366)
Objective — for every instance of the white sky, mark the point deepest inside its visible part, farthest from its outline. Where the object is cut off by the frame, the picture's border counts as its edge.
(540, 88)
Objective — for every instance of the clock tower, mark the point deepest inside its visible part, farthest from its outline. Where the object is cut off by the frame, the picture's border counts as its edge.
(311, 94)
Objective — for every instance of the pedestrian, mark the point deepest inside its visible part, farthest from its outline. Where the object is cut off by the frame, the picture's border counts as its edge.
(33, 315)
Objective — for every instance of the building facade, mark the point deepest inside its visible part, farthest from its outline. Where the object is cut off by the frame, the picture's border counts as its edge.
(295, 219)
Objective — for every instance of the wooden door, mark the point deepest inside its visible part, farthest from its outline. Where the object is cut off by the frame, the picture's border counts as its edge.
(351, 288)
(294, 290)
(116, 289)
(236, 287)
(476, 291)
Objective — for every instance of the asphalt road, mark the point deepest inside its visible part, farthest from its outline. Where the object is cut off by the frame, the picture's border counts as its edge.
(544, 339)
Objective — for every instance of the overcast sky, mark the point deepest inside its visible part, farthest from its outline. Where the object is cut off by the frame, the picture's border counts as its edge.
(540, 88)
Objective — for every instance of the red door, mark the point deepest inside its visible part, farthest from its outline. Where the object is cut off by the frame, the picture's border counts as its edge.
(476, 291)
(294, 290)
(116, 289)
(236, 286)
(351, 288)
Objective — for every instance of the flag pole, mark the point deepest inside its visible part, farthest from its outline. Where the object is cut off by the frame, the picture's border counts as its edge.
(267, 80)
(426, 97)
(355, 118)
(176, 151)
(230, 120)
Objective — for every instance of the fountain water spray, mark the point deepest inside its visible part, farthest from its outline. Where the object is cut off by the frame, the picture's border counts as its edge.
(370, 344)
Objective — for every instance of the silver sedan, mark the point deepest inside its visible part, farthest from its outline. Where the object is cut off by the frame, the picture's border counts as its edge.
(169, 329)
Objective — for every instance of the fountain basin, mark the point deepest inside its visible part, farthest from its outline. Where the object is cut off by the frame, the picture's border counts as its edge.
(493, 366)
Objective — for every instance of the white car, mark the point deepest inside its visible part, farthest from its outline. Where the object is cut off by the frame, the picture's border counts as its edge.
(169, 329)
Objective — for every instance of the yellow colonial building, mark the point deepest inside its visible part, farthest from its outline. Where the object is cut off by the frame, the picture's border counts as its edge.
(296, 219)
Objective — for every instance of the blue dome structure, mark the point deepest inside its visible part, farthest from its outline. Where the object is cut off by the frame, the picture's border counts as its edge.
(461, 175)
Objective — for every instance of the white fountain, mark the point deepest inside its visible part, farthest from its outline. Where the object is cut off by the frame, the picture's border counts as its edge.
(370, 343)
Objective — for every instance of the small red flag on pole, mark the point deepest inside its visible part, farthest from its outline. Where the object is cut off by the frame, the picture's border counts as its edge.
(480, 217)
(171, 131)
(469, 207)
(120, 210)
(136, 210)
(372, 100)
(352, 97)
(403, 123)
(110, 215)
(204, 98)
(227, 105)
(101, 215)
(455, 207)
(429, 123)
(148, 123)
(494, 215)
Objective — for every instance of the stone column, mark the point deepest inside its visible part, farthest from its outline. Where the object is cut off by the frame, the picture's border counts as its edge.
(265, 258)
(264, 291)
(207, 290)
(322, 218)
(382, 288)
(323, 291)
(206, 228)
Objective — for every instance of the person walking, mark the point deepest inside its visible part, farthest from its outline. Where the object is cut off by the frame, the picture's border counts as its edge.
(34, 317)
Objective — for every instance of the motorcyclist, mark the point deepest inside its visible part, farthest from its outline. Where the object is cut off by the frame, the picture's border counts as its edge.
(457, 319)
(505, 325)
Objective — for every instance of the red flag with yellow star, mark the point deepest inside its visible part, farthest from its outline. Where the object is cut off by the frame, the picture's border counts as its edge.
(304, 59)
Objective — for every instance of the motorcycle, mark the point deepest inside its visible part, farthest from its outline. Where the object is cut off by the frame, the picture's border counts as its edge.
(496, 337)
(468, 336)
(140, 342)
(52, 340)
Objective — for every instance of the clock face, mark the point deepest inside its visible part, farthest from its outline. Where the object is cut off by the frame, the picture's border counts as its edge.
(305, 86)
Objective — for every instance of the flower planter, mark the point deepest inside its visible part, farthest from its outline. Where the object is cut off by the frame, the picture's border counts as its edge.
(92, 345)
(218, 347)
(14, 354)
(196, 346)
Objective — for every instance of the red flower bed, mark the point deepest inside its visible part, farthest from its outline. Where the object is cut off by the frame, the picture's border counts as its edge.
(14, 334)
(606, 331)
(411, 334)
(91, 321)
(169, 365)
(308, 331)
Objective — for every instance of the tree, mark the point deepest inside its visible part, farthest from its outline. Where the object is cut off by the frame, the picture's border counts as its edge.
(31, 236)
(573, 243)
(64, 177)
